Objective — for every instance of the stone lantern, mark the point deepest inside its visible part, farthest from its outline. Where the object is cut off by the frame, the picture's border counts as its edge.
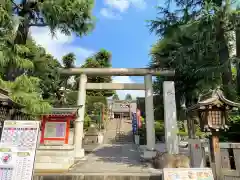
(212, 109)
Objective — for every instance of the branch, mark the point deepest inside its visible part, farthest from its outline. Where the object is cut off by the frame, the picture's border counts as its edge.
(16, 5)
(38, 24)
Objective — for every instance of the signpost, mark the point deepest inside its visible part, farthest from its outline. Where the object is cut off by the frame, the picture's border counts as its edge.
(17, 149)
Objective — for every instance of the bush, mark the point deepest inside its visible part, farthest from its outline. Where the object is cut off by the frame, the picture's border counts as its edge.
(87, 121)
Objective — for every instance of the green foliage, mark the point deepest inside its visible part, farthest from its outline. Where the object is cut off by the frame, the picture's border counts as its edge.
(87, 121)
(24, 90)
(193, 40)
(67, 15)
(25, 69)
(128, 97)
(69, 60)
(101, 59)
(115, 97)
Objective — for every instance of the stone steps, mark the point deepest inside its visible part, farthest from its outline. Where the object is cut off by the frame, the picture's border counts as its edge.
(100, 176)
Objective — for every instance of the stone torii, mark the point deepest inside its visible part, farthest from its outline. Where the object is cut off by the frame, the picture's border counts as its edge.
(169, 102)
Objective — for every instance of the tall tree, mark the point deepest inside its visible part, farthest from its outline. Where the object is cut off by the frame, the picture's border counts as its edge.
(65, 15)
(69, 60)
(128, 97)
(191, 39)
(101, 59)
(18, 64)
(115, 97)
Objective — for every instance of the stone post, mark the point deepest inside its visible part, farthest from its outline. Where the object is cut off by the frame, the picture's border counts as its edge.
(149, 110)
(170, 118)
(78, 134)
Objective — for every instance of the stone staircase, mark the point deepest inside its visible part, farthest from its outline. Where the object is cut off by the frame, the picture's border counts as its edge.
(119, 131)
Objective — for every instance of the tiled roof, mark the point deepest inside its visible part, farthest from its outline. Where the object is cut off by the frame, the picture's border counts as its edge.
(63, 111)
(216, 97)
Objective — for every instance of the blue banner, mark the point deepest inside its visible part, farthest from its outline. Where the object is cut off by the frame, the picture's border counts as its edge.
(134, 123)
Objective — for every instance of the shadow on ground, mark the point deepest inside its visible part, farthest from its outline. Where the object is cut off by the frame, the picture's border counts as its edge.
(119, 153)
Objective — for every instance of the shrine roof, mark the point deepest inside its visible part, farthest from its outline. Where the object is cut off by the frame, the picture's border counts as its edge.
(214, 98)
(5, 100)
(63, 111)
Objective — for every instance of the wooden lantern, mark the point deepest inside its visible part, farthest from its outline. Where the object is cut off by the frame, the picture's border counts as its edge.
(212, 109)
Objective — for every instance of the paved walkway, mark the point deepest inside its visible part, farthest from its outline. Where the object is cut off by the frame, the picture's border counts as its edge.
(117, 155)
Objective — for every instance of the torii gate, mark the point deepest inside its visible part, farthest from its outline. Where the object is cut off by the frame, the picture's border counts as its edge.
(169, 102)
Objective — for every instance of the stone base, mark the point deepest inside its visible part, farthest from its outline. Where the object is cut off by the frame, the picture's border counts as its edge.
(79, 155)
(54, 158)
(100, 138)
(148, 155)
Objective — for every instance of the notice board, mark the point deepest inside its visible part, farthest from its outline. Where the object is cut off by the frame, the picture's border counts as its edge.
(17, 149)
(188, 174)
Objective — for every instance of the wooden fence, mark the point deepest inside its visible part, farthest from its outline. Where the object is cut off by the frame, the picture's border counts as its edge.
(230, 161)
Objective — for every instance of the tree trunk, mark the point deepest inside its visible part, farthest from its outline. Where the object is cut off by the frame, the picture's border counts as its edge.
(238, 56)
(224, 60)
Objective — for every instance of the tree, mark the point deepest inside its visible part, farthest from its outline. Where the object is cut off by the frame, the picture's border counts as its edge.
(101, 59)
(69, 60)
(128, 97)
(19, 60)
(191, 45)
(115, 97)
(65, 15)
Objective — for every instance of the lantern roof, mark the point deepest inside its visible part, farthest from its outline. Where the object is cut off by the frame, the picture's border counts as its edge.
(213, 98)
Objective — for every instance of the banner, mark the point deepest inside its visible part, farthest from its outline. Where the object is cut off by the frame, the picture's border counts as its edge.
(139, 118)
(134, 123)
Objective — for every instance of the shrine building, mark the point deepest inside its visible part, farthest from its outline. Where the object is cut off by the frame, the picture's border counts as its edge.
(121, 108)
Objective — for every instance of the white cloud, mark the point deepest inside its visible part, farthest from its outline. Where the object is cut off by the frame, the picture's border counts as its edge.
(108, 13)
(59, 45)
(140, 4)
(121, 6)
(123, 93)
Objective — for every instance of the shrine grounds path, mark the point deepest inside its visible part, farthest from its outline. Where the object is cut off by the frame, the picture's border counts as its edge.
(117, 155)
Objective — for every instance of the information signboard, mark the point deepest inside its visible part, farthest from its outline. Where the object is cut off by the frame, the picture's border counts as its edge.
(17, 149)
(55, 129)
(188, 174)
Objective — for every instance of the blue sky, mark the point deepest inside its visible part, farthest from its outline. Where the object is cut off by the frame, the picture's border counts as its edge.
(121, 28)
(125, 34)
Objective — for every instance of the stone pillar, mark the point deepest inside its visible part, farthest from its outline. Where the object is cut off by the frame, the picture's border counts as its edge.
(170, 118)
(78, 133)
(149, 110)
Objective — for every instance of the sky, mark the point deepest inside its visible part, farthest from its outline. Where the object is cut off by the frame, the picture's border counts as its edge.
(121, 28)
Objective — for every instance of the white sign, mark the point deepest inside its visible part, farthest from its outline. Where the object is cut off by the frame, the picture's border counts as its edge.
(188, 174)
(55, 129)
(17, 149)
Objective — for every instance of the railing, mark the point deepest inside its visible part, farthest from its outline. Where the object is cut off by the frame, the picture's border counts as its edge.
(230, 161)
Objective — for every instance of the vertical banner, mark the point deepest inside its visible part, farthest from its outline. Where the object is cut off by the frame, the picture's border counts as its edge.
(134, 123)
(139, 118)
